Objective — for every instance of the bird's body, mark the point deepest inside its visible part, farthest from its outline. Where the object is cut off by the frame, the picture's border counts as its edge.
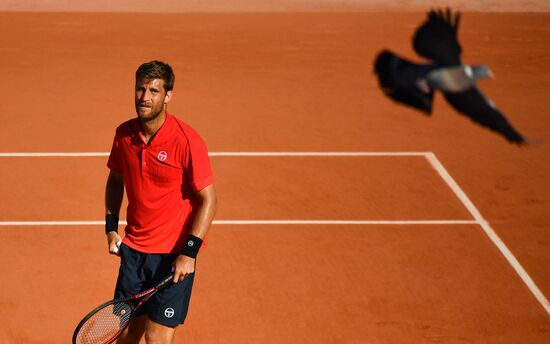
(456, 78)
(414, 84)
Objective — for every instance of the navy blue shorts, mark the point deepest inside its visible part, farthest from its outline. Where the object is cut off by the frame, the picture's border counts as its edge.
(141, 271)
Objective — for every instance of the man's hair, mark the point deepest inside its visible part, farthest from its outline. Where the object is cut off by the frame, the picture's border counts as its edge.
(157, 70)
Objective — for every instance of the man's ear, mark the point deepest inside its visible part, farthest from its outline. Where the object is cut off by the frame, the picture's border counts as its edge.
(168, 97)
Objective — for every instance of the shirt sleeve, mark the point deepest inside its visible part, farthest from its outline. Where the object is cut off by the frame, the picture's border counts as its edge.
(197, 163)
(114, 158)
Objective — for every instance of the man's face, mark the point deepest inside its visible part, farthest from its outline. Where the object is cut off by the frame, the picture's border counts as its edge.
(150, 98)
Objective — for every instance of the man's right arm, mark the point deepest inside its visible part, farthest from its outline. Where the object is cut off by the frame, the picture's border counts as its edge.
(114, 191)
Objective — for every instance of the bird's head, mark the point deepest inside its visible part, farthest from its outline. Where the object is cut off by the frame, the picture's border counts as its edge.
(478, 72)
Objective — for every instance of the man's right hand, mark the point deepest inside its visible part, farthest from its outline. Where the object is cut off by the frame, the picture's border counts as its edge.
(114, 240)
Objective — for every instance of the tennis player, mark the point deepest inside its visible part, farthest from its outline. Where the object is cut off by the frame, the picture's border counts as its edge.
(163, 164)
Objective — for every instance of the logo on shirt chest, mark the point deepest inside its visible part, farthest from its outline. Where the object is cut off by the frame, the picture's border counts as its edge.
(162, 156)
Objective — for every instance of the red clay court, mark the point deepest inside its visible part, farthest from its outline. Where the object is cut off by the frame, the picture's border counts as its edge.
(344, 218)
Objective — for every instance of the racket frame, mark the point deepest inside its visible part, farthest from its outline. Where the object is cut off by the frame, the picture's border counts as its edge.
(144, 295)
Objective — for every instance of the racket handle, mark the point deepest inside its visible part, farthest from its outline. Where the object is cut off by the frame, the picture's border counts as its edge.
(165, 282)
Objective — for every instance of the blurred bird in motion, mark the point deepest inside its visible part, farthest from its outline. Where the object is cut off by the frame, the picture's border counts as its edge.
(414, 84)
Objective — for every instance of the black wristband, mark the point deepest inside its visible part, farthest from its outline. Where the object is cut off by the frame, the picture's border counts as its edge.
(191, 246)
(111, 223)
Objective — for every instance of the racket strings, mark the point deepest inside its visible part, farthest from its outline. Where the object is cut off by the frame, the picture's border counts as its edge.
(105, 325)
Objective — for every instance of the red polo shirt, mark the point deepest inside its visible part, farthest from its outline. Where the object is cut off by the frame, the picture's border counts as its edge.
(161, 179)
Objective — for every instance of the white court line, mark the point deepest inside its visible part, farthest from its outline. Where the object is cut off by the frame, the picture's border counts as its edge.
(344, 222)
(436, 164)
(51, 154)
(322, 154)
(260, 222)
(241, 154)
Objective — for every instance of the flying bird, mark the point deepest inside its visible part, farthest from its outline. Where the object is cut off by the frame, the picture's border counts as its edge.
(415, 84)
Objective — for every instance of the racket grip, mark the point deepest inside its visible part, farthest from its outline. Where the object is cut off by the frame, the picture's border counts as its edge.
(165, 281)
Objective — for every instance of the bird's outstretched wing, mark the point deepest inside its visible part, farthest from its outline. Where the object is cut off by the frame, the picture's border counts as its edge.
(436, 38)
(481, 110)
(398, 79)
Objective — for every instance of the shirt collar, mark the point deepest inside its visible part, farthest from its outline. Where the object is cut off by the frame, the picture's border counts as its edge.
(158, 137)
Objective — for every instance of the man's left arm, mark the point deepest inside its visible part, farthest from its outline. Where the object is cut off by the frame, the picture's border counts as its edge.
(208, 204)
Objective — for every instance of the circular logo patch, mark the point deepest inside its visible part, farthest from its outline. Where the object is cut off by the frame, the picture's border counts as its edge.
(169, 312)
(162, 156)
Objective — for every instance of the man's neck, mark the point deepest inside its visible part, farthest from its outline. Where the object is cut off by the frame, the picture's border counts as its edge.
(150, 128)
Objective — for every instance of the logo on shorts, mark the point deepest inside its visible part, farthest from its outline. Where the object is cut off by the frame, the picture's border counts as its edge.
(162, 156)
(169, 312)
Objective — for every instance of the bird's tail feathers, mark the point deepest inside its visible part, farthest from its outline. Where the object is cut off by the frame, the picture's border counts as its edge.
(398, 79)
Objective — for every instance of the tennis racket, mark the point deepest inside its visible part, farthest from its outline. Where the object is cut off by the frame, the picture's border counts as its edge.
(105, 323)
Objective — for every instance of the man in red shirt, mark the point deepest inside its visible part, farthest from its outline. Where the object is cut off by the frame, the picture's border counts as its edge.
(163, 164)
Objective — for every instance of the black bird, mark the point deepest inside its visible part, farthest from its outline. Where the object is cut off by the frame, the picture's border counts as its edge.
(414, 84)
